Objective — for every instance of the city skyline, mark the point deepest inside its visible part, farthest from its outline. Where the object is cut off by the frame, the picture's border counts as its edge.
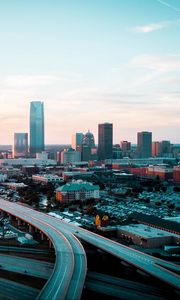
(91, 62)
(36, 127)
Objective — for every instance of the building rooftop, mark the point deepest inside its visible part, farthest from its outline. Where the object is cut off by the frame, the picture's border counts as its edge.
(174, 219)
(77, 185)
(151, 219)
(48, 176)
(146, 231)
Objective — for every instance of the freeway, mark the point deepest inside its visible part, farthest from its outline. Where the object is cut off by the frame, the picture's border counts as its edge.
(22, 250)
(129, 284)
(67, 280)
(30, 267)
(17, 291)
(142, 261)
(120, 292)
(165, 271)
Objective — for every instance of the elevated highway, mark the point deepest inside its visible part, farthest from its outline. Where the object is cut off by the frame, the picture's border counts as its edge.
(70, 260)
(22, 265)
(71, 253)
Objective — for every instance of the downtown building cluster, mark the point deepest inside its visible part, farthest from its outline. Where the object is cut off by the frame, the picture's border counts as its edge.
(36, 145)
(83, 146)
(84, 150)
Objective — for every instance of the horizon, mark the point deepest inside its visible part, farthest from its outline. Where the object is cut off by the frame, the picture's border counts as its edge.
(91, 62)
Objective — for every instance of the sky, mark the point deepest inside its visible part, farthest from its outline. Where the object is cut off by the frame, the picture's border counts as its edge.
(90, 62)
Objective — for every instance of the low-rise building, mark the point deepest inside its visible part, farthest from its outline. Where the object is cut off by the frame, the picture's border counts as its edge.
(77, 175)
(15, 185)
(3, 177)
(27, 162)
(141, 161)
(176, 174)
(70, 156)
(147, 236)
(77, 190)
(46, 178)
(163, 172)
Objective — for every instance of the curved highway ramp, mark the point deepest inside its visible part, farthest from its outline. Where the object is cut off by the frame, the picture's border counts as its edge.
(68, 276)
(10, 290)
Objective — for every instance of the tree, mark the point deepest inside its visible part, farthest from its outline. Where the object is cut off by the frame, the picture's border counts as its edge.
(171, 206)
(158, 203)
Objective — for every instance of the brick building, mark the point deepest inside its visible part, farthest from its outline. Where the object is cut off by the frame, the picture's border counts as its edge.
(77, 190)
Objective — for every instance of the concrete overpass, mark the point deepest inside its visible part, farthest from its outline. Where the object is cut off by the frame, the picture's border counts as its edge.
(69, 273)
(70, 260)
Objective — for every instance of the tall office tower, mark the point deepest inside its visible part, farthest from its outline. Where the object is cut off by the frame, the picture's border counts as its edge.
(77, 139)
(88, 146)
(156, 149)
(126, 148)
(20, 147)
(36, 127)
(105, 141)
(144, 144)
(166, 148)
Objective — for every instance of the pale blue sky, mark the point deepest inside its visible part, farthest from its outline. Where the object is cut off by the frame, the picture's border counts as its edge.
(91, 61)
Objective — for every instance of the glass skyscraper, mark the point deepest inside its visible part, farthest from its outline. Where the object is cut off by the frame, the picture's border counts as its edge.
(36, 127)
(144, 144)
(20, 148)
(105, 141)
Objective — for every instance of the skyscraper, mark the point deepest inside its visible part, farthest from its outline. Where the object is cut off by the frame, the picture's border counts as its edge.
(88, 147)
(166, 148)
(126, 148)
(20, 147)
(105, 141)
(156, 149)
(144, 144)
(36, 127)
(77, 139)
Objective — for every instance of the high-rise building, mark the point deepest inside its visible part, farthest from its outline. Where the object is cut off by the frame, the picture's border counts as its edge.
(144, 144)
(117, 152)
(36, 127)
(166, 148)
(70, 156)
(20, 147)
(88, 147)
(77, 139)
(156, 149)
(105, 141)
(126, 148)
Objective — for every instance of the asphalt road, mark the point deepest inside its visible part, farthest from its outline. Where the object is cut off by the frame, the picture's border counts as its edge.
(30, 267)
(10, 290)
(134, 286)
(67, 279)
(140, 260)
(120, 292)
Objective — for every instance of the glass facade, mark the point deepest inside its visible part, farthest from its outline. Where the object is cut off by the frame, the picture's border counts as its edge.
(105, 141)
(36, 127)
(144, 144)
(20, 148)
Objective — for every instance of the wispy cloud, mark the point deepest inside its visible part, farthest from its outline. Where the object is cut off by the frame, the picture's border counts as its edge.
(29, 81)
(154, 26)
(162, 64)
(169, 5)
(24, 81)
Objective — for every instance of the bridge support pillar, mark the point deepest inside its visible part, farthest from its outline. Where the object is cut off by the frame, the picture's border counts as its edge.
(42, 236)
(31, 228)
(10, 218)
(50, 244)
(1, 213)
(19, 222)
